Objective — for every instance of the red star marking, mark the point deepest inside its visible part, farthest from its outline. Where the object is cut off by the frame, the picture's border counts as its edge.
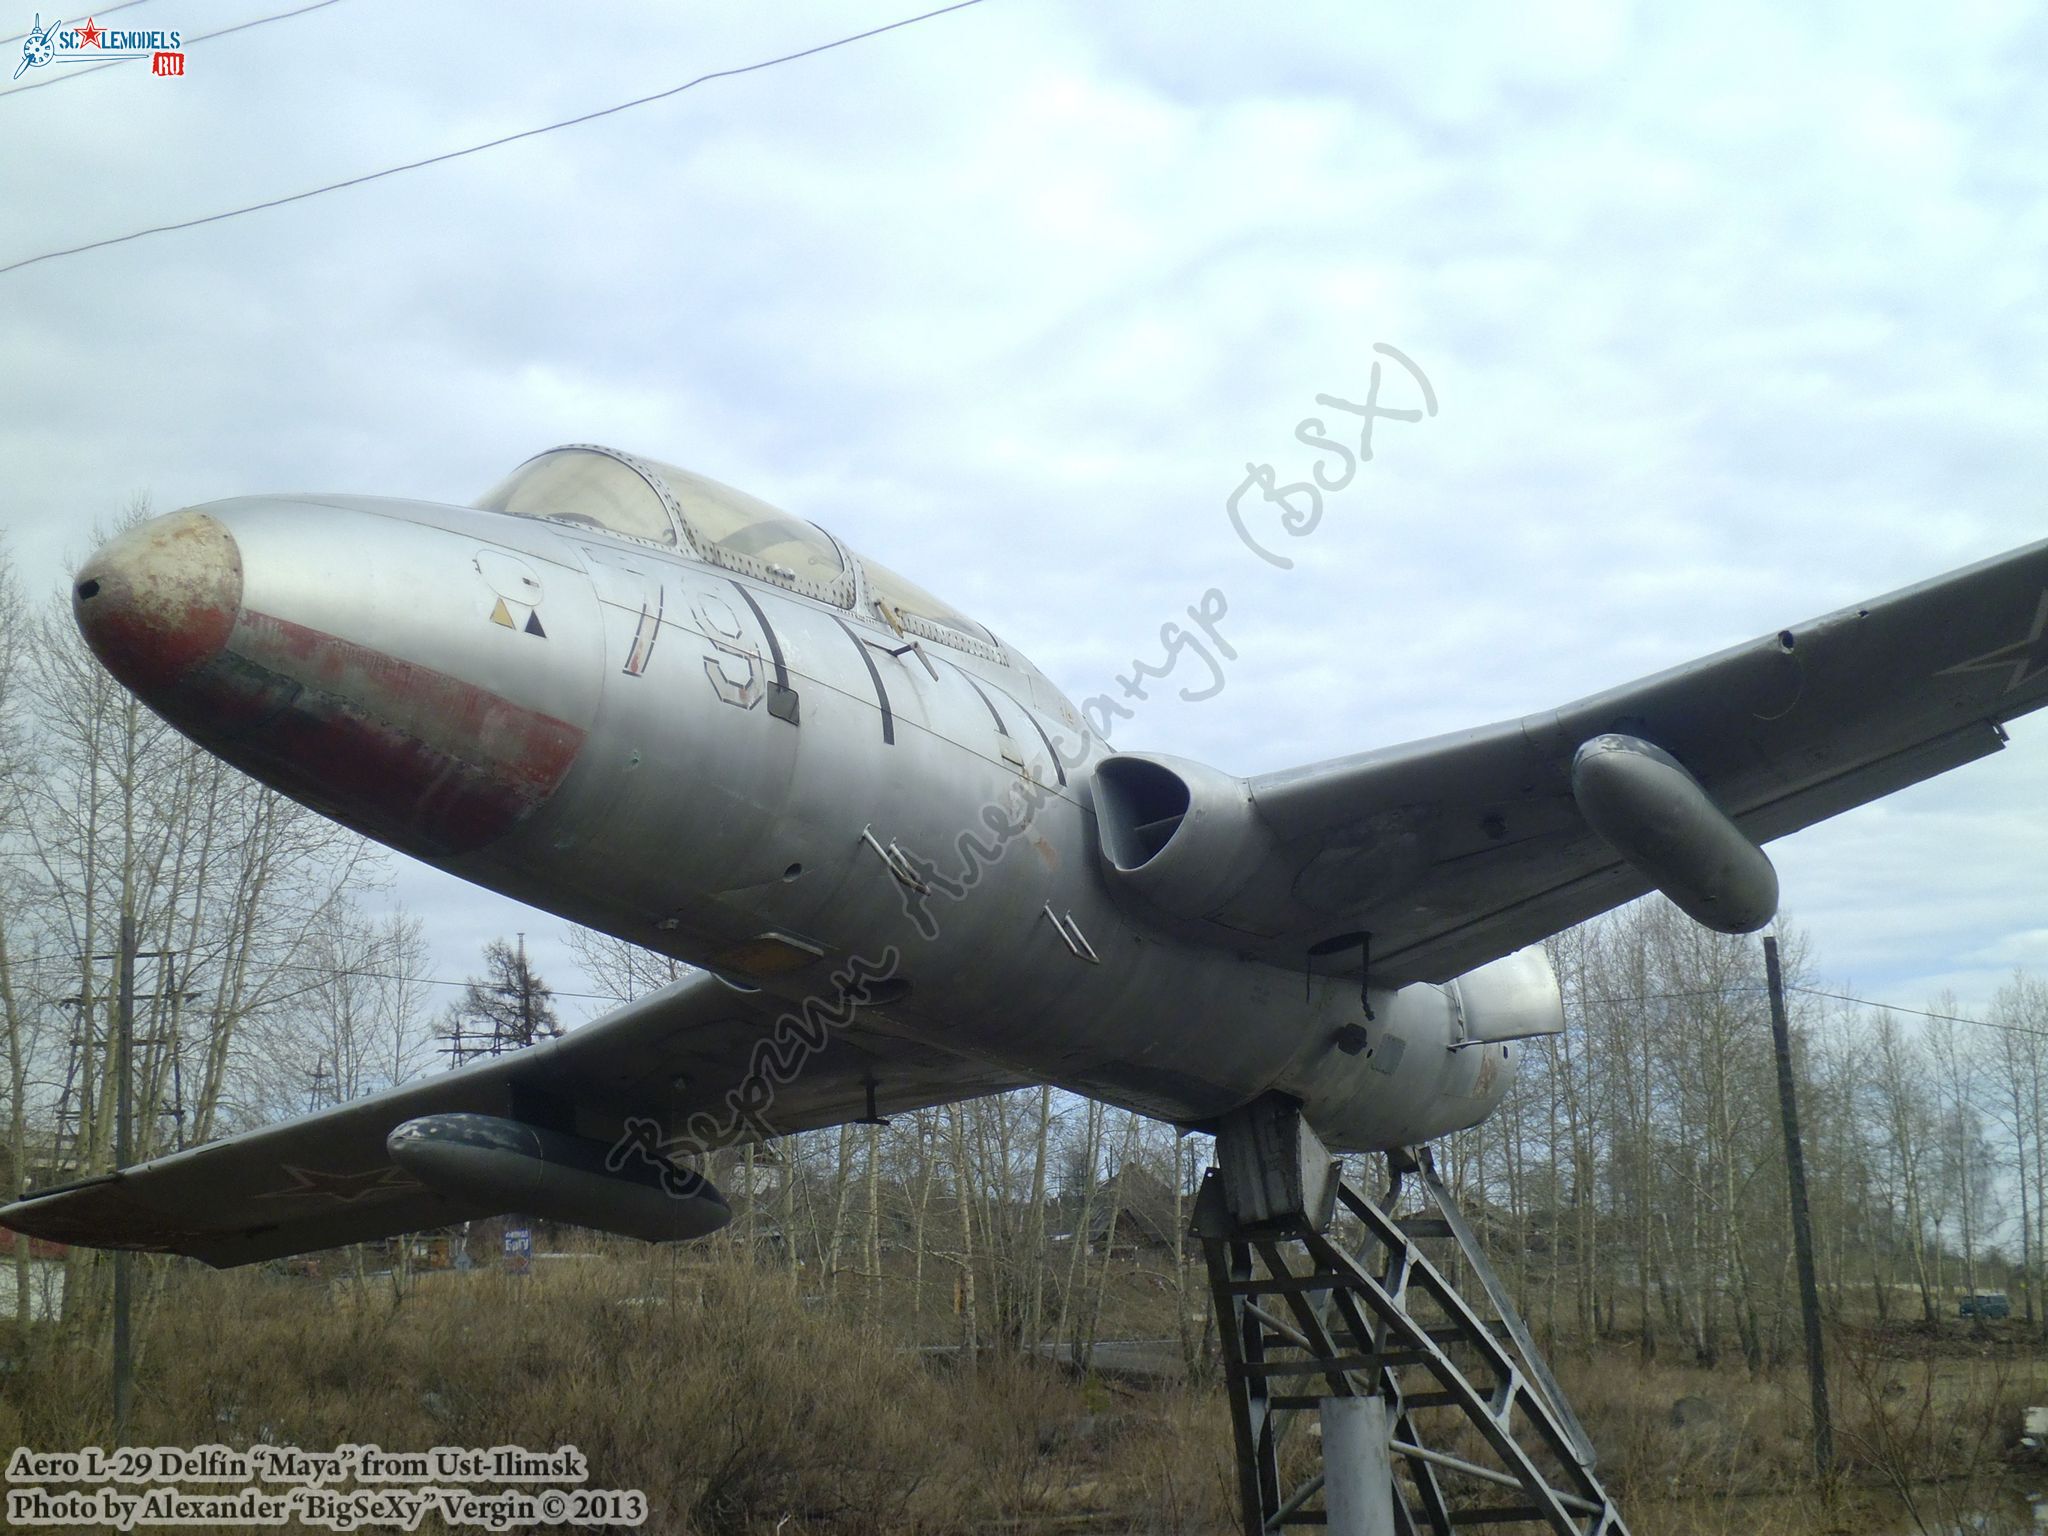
(2022, 661)
(89, 34)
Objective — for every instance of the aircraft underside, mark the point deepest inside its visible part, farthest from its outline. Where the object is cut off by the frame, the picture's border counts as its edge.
(911, 869)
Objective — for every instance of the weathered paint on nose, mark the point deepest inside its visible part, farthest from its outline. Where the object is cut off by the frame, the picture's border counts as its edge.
(339, 656)
(160, 601)
(413, 755)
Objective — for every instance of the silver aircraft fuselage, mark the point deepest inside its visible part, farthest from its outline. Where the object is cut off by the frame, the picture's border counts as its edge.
(721, 765)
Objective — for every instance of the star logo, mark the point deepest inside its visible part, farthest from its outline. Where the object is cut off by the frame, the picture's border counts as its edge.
(2026, 658)
(89, 34)
(343, 1188)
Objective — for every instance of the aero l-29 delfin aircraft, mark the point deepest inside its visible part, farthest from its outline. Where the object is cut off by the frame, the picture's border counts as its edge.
(909, 868)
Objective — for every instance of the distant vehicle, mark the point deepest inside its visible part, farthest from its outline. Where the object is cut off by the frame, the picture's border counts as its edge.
(1985, 1304)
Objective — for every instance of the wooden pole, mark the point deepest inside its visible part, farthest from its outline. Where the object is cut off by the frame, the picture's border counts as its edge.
(1802, 1224)
(124, 1050)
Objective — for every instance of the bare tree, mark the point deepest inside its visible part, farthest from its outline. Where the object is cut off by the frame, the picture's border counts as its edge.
(622, 970)
(2016, 1096)
(17, 1016)
(507, 1008)
(361, 1021)
(123, 821)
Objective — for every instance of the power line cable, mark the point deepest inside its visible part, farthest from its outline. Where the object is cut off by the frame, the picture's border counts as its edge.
(93, 69)
(308, 966)
(1922, 1013)
(1746, 991)
(103, 11)
(475, 149)
(1757, 992)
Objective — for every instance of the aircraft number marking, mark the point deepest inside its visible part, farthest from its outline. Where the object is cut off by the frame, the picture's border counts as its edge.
(722, 627)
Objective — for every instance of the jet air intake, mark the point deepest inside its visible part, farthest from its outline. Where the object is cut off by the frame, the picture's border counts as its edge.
(1655, 815)
(509, 1166)
(1182, 835)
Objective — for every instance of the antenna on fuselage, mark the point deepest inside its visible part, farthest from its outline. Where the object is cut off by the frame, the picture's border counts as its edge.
(1344, 941)
(873, 1116)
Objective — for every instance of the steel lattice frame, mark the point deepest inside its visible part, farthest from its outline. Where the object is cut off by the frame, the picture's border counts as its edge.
(1293, 1305)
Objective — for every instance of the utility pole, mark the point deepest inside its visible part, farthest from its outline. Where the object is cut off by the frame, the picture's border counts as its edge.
(169, 987)
(525, 997)
(124, 1046)
(1802, 1225)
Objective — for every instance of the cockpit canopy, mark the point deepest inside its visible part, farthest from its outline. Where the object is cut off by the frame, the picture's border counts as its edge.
(587, 486)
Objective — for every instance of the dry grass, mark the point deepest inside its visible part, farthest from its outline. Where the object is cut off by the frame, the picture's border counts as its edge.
(1926, 1436)
(713, 1387)
(741, 1406)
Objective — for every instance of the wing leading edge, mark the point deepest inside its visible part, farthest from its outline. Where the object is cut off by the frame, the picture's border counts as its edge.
(707, 1064)
(1454, 851)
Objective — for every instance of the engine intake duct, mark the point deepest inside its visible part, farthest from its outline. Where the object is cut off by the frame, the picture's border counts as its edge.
(1181, 835)
(511, 1166)
(1658, 817)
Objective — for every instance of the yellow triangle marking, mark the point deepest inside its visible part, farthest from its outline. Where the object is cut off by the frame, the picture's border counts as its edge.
(500, 616)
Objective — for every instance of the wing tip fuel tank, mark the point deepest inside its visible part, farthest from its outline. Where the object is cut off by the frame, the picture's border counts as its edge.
(512, 1166)
(1654, 813)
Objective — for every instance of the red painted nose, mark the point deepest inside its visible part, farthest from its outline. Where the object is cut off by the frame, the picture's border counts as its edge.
(160, 600)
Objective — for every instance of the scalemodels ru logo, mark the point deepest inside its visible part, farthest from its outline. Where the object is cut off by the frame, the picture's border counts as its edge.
(94, 44)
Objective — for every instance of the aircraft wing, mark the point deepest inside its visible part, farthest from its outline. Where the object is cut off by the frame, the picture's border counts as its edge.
(1454, 851)
(672, 1057)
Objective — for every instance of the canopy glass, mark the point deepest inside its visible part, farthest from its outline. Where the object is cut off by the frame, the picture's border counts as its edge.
(592, 487)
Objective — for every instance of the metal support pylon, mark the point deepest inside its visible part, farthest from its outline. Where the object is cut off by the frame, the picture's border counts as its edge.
(1479, 1432)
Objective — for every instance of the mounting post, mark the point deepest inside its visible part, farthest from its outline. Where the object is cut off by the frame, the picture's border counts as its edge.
(1358, 1466)
(1380, 1345)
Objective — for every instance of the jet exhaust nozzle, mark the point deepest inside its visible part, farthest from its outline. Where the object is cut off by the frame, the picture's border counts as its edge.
(1657, 817)
(1513, 998)
(511, 1166)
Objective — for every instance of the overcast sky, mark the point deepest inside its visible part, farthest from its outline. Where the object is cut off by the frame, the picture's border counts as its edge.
(1733, 316)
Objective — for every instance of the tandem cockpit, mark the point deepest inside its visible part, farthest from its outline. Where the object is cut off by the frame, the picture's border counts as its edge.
(670, 509)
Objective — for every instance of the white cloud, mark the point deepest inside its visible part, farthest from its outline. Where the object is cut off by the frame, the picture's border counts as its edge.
(1735, 317)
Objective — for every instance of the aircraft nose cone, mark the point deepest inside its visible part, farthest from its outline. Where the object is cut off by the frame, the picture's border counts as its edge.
(161, 599)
